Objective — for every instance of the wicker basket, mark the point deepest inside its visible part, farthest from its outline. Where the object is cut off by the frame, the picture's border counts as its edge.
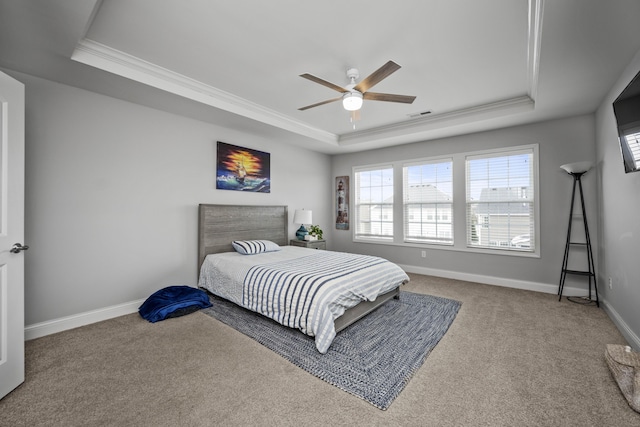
(624, 364)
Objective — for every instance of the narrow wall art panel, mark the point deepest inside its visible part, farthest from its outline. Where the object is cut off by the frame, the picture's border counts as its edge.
(342, 203)
(242, 169)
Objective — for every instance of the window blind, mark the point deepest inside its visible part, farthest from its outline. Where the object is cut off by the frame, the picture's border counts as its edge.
(374, 203)
(501, 200)
(428, 201)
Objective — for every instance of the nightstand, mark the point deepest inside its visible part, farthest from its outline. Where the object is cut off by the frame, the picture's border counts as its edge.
(312, 244)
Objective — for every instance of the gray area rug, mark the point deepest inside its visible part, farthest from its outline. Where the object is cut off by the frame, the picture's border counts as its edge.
(372, 359)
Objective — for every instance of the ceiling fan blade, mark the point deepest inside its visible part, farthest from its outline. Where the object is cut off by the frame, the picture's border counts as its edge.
(377, 76)
(320, 103)
(323, 82)
(388, 97)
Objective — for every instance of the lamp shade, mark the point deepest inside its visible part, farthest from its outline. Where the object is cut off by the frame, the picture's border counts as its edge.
(578, 167)
(302, 216)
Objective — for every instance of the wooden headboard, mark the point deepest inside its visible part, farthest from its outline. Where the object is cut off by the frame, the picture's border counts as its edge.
(219, 225)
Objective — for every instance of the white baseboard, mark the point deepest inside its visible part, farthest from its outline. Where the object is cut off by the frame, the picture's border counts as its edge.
(81, 319)
(625, 330)
(497, 281)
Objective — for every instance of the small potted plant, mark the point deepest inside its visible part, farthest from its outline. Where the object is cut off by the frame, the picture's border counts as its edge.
(315, 232)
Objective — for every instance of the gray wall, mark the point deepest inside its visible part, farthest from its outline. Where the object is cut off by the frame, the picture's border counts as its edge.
(112, 190)
(560, 141)
(619, 219)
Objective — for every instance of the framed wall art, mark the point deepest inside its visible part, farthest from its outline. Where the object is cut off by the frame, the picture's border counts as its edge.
(342, 203)
(242, 169)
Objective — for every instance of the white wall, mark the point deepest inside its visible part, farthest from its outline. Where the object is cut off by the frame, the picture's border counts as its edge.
(560, 141)
(112, 190)
(619, 218)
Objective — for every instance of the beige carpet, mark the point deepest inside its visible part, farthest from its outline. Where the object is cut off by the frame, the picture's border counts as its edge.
(511, 358)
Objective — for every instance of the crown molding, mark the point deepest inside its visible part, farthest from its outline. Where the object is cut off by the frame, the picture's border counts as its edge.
(425, 124)
(103, 57)
(398, 132)
(533, 49)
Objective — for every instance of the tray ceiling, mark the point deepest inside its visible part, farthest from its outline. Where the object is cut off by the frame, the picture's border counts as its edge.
(472, 65)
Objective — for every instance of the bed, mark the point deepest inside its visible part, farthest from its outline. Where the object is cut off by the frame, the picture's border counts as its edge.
(319, 292)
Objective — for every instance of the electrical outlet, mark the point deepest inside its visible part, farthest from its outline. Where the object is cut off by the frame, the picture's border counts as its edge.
(610, 283)
(424, 254)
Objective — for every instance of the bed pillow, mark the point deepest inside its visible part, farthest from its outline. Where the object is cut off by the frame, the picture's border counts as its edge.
(250, 247)
(173, 301)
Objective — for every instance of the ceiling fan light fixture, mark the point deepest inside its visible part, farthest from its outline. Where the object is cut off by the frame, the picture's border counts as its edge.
(352, 101)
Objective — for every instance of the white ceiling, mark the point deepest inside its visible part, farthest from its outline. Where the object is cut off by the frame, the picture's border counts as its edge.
(475, 65)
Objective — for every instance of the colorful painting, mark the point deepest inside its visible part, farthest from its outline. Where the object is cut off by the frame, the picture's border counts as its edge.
(342, 203)
(243, 169)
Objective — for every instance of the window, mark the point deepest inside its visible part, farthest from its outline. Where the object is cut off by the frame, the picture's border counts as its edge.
(501, 200)
(374, 203)
(482, 201)
(428, 202)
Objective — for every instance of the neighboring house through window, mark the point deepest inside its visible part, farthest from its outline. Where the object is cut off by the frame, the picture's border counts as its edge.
(499, 211)
(501, 200)
(428, 201)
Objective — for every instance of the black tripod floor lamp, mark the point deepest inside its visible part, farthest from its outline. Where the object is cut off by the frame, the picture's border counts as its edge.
(577, 170)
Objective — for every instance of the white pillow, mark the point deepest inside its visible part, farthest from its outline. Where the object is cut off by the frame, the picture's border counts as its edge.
(250, 247)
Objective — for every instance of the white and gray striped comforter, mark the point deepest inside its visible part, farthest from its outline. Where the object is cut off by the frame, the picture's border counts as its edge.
(301, 288)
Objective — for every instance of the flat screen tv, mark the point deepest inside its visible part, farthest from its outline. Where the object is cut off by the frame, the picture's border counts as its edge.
(627, 111)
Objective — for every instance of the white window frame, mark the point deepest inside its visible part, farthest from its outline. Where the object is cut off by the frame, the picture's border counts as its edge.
(459, 214)
(358, 205)
(521, 194)
(436, 218)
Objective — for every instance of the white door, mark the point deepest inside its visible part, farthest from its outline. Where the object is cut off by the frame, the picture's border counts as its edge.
(11, 232)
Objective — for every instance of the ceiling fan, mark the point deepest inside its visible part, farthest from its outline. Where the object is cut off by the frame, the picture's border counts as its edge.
(354, 94)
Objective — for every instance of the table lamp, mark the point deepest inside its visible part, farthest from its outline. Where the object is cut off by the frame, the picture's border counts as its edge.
(302, 217)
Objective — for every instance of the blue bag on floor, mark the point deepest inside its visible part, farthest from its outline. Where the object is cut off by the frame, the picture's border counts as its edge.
(173, 301)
